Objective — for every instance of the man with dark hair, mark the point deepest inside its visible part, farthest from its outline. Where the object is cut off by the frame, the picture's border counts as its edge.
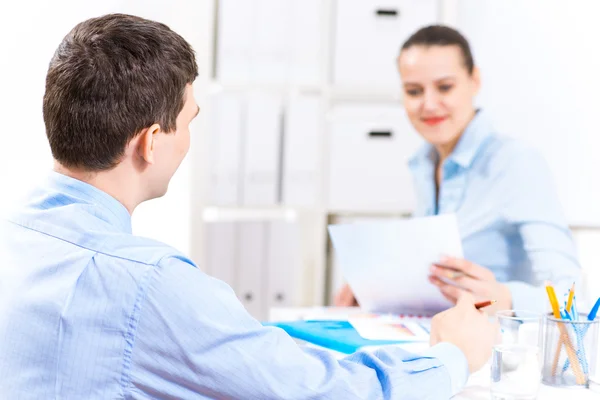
(89, 311)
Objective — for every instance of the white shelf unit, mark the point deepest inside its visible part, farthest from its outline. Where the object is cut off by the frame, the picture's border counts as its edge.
(292, 61)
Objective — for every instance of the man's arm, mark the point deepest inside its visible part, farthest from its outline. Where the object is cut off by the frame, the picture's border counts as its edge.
(193, 339)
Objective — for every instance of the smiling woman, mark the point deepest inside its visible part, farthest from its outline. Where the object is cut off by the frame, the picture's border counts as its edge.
(440, 82)
(513, 230)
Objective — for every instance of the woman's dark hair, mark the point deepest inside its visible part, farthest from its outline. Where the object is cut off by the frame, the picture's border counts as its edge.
(440, 35)
(110, 78)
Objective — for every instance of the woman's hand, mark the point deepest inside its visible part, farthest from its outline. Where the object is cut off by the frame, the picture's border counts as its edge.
(345, 297)
(454, 276)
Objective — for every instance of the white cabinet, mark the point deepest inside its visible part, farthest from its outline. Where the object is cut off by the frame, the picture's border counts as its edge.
(269, 42)
(368, 37)
(370, 146)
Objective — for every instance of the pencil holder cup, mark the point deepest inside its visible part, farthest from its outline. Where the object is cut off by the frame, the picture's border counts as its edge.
(570, 351)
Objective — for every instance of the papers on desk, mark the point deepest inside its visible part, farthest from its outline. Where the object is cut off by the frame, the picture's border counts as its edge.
(391, 327)
(348, 329)
(283, 314)
(387, 263)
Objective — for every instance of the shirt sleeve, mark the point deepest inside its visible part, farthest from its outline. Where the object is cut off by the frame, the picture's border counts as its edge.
(455, 361)
(194, 339)
(533, 206)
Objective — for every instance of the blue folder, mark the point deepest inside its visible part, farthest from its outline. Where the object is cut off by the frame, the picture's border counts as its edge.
(335, 335)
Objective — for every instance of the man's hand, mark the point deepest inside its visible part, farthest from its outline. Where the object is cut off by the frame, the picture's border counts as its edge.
(469, 277)
(468, 329)
(345, 297)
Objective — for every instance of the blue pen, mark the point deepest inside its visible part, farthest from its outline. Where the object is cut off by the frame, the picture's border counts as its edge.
(563, 315)
(594, 311)
(580, 345)
(581, 334)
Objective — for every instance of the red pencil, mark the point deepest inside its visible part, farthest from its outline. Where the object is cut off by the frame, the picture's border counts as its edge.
(484, 304)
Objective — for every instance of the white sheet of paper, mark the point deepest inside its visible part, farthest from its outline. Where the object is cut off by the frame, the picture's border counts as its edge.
(391, 327)
(387, 263)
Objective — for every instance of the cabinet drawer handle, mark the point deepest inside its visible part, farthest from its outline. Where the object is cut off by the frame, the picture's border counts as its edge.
(380, 134)
(383, 12)
(248, 296)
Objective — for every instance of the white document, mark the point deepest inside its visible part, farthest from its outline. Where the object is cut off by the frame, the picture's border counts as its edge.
(387, 263)
(391, 327)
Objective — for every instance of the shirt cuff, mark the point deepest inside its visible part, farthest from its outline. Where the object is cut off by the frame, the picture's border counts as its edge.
(455, 362)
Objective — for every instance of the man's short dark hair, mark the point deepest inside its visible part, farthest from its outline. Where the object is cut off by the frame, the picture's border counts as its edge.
(110, 78)
(440, 35)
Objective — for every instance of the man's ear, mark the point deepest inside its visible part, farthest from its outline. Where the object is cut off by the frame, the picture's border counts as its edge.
(145, 147)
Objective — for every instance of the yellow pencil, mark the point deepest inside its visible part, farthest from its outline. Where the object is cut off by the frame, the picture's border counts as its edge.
(570, 301)
(553, 300)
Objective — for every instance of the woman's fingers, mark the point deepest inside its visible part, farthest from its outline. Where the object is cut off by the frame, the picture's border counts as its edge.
(464, 267)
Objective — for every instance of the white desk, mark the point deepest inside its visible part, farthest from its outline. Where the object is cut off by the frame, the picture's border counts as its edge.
(478, 386)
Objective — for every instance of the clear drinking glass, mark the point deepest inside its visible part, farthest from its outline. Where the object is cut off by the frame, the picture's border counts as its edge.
(516, 359)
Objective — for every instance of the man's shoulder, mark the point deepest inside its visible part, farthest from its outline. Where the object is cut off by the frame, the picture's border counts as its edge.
(139, 249)
(90, 234)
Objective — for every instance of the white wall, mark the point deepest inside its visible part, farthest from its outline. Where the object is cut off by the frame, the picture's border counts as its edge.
(540, 82)
(588, 241)
(29, 34)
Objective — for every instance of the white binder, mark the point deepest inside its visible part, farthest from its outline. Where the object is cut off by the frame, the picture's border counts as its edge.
(305, 41)
(251, 268)
(262, 150)
(302, 153)
(234, 40)
(225, 144)
(269, 42)
(284, 262)
(270, 52)
(221, 242)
